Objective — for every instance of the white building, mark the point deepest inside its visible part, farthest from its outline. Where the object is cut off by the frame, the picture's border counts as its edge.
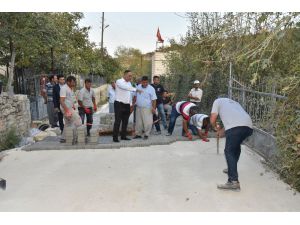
(159, 67)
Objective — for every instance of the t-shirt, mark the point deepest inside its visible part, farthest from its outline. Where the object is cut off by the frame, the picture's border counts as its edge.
(166, 100)
(145, 98)
(70, 98)
(231, 113)
(196, 93)
(159, 90)
(197, 120)
(183, 108)
(111, 94)
(86, 97)
(49, 91)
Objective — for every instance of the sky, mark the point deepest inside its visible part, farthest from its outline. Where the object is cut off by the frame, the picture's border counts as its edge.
(134, 29)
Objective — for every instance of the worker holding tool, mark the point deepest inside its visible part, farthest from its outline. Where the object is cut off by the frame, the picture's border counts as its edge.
(87, 104)
(237, 126)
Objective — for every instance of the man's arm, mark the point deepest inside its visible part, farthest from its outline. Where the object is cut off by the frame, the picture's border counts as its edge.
(154, 106)
(63, 104)
(94, 103)
(185, 127)
(123, 86)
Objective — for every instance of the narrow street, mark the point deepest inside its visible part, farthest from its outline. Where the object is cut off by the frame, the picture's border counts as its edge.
(177, 177)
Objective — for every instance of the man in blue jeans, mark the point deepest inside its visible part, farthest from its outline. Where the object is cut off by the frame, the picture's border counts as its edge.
(159, 90)
(181, 108)
(237, 126)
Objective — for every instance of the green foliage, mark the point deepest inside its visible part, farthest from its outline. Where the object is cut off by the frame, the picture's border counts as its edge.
(9, 140)
(264, 48)
(134, 60)
(288, 135)
(33, 36)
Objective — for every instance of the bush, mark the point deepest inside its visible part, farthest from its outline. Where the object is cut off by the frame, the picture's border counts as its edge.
(288, 137)
(9, 140)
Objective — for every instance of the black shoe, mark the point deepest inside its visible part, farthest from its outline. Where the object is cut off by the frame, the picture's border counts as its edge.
(125, 138)
(116, 140)
(62, 140)
(145, 137)
(137, 136)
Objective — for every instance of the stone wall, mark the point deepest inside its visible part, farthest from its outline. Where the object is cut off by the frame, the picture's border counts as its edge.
(101, 94)
(14, 113)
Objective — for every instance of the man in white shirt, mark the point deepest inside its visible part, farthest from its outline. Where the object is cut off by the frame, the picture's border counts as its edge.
(111, 96)
(146, 107)
(68, 105)
(122, 105)
(87, 104)
(195, 94)
(238, 126)
(199, 122)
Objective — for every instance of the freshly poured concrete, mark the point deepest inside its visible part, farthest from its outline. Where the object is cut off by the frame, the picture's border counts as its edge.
(177, 177)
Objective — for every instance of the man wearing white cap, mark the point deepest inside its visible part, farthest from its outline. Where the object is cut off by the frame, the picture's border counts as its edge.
(195, 94)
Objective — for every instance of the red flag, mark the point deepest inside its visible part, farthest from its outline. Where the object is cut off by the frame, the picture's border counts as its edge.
(159, 39)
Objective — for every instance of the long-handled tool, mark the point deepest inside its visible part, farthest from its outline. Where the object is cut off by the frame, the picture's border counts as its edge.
(218, 138)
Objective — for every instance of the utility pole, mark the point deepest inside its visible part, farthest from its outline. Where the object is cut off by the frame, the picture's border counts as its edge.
(102, 31)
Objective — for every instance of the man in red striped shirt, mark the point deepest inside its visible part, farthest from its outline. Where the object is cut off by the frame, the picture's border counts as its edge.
(181, 109)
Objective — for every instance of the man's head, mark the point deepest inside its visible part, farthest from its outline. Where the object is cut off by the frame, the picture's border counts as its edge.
(144, 81)
(156, 80)
(113, 84)
(88, 83)
(127, 75)
(165, 94)
(55, 79)
(61, 79)
(196, 84)
(206, 123)
(194, 110)
(71, 81)
(51, 78)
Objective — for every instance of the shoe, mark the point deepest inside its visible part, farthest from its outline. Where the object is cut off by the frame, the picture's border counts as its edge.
(145, 137)
(225, 171)
(62, 140)
(125, 138)
(233, 185)
(157, 133)
(116, 140)
(168, 134)
(137, 137)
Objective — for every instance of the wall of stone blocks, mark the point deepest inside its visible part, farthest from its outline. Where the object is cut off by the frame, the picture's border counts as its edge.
(14, 113)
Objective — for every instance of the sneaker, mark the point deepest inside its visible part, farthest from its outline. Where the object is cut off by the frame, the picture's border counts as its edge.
(168, 134)
(157, 133)
(145, 137)
(225, 171)
(62, 140)
(233, 185)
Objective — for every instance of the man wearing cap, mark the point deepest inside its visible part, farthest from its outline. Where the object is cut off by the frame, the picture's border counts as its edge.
(195, 94)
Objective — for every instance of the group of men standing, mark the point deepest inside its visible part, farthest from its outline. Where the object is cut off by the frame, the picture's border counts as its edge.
(67, 108)
(148, 101)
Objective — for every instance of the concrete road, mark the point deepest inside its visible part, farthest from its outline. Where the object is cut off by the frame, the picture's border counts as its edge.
(178, 177)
